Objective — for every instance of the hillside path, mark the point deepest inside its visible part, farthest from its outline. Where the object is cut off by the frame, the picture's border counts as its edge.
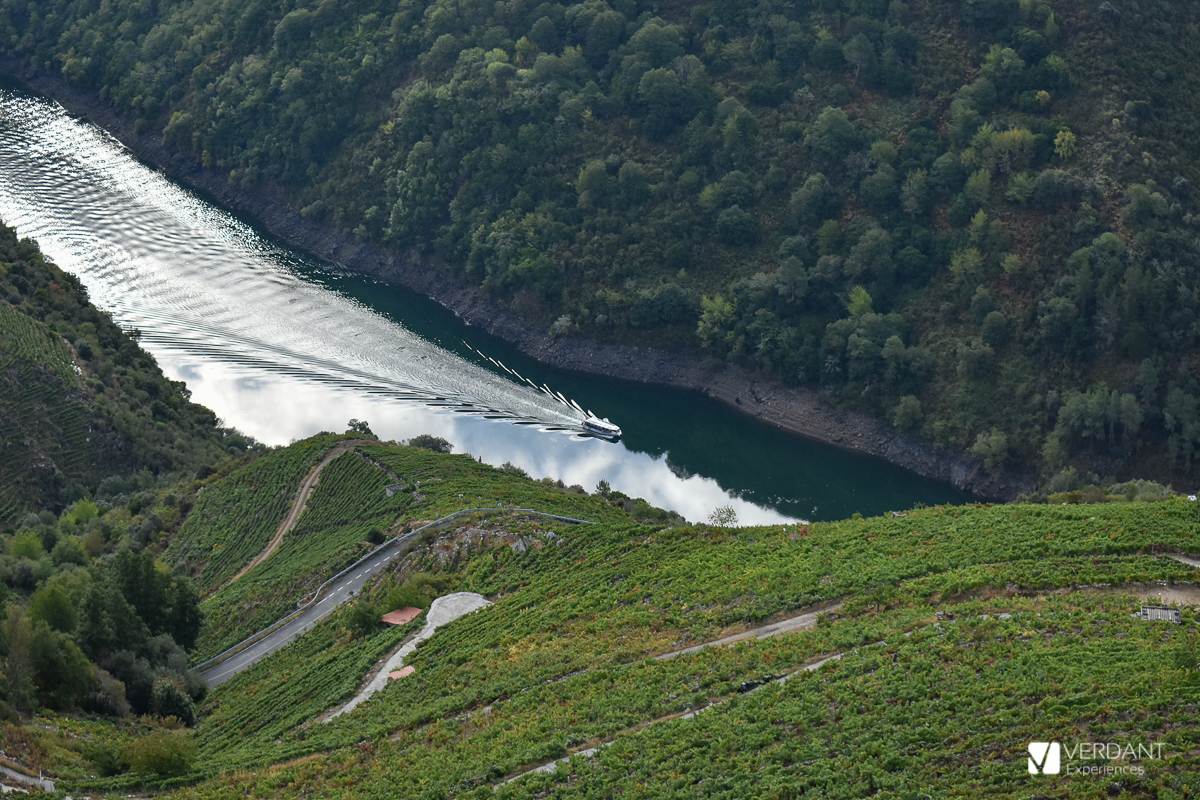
(298, 506)
(800, 622)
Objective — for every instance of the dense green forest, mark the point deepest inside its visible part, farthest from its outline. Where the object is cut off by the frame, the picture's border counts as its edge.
(973, 218)
(85, 411)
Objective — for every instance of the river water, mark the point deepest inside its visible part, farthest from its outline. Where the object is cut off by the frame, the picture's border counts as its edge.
(282, 345)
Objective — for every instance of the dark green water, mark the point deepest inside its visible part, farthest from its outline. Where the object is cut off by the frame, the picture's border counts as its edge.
(282, 346)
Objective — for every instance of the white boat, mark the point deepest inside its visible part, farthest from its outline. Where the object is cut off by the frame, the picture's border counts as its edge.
(601, 427)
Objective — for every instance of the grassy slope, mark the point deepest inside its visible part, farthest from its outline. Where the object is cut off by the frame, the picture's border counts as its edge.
(559, 661)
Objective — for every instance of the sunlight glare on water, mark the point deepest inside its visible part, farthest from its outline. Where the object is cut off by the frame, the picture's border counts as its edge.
(273, 352)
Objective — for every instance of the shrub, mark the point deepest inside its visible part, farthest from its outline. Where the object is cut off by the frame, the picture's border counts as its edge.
(170, 700)
(428, 442)
(162, 753)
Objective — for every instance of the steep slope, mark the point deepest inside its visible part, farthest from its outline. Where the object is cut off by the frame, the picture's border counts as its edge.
(84, 409)
(1036, 636)
(971, 219)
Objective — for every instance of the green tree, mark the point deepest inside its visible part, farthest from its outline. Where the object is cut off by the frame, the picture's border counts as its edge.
(831, 137)
(907, 414)
(723, 516)
(426, 441)
(978, 187)
(736, 227)
(914, 194)
(859, 303)
(52, 606)
(716, 314)
(860, 54)
(26, 544)
(991, 448)
(170, 700)
(870, 257)
(1064, 145)
(61, 671)
(815, 200)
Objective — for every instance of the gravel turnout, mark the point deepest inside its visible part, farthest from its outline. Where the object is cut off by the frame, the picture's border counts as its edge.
(443, 610)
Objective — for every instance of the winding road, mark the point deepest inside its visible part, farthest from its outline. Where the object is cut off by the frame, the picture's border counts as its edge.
(333, 593)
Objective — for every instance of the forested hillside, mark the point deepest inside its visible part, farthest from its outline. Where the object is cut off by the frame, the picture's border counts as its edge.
(84, 411)
(973, 218)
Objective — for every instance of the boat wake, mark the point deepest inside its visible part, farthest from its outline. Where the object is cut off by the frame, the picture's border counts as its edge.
(196, 280)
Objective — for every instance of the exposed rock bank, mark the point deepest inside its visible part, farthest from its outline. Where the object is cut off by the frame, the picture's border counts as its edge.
(798, 410)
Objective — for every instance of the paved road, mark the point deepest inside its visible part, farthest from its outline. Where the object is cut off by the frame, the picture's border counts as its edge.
(334, 597)
(339, 593)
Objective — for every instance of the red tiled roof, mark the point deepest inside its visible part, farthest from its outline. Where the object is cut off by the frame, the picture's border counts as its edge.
(402, 673)
(401, 616)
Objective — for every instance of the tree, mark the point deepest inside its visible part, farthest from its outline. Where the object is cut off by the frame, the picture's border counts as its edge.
(967, 266)
(143, 586)
(26, 544)
(831, 137)
(61, 671)
(360, 427)
(170, 700)
(978, 187)
(18, 638)
(715, 314)
(878, 190)
(430, 442)
(663, 101)
(860, 54)
(724, 516)
(736, 227)
(991, 448)
(815, 200)
(185, 619)
(907, 414)
(872, 257)
(859, 303)
(1064, 145)
(52, 606)
(914, 194)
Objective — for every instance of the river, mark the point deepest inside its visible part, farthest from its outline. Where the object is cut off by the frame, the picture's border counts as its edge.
(282, 345)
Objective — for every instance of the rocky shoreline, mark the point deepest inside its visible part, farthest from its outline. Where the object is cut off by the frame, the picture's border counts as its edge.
(800, 411)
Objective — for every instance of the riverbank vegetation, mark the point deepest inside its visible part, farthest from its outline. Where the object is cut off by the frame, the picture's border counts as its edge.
(971, 219)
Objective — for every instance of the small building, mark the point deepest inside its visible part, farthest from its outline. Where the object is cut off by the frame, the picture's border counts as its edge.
(401, 673)
(401, 616)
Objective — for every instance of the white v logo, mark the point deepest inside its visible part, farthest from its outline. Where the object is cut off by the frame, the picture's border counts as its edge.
(1044, 758)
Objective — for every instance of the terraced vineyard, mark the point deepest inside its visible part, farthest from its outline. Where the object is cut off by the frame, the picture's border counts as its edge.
(236, 517)
(563, 658)
(74, 415)
(25, 339)
(448, 484)
(43, 411)
(348, 503)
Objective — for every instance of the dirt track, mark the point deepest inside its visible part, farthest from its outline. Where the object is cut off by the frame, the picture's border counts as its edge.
(298, 506)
